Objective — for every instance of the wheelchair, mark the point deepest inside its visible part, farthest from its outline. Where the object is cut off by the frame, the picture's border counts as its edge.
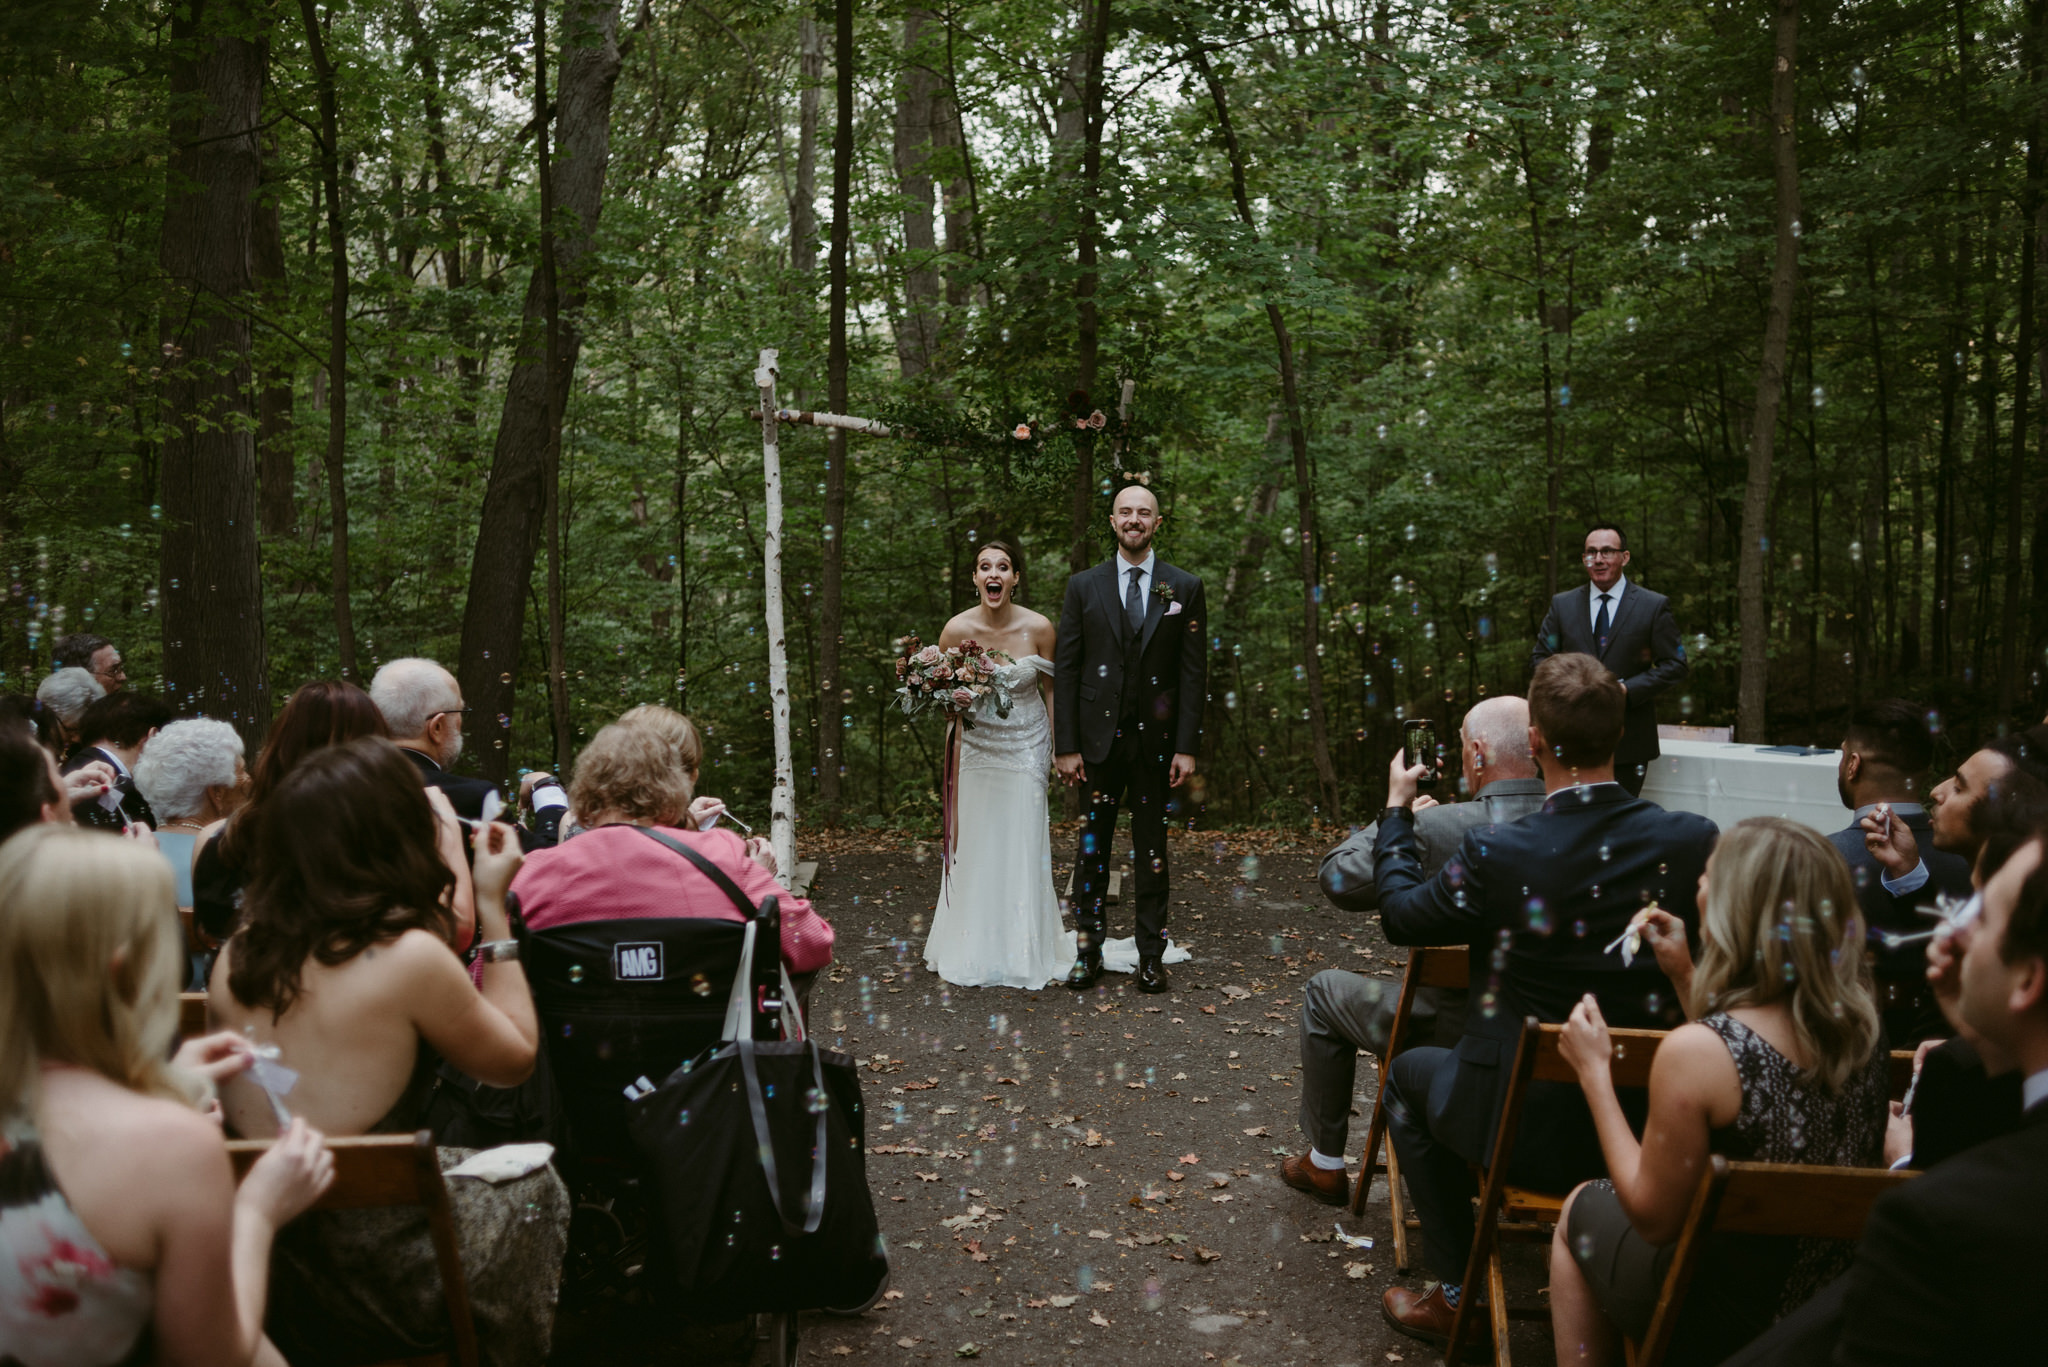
(618, 1002)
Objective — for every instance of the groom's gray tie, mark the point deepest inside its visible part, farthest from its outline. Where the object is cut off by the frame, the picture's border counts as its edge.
(1134, 602)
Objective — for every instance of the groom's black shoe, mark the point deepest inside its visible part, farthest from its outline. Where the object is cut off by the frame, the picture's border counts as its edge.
(1152, 975)
(1085, 973)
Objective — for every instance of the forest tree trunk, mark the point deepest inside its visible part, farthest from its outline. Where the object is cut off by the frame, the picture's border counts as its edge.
(1297, 437)
(1752, 564)
(803, 200)
(336, 458)
(509, 528)
(917, 126)
(551, 384)
(832, 569)
(277, 475)
(1088, 322)
(213, 647)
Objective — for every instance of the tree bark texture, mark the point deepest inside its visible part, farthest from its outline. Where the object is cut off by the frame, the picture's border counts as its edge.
(832, 567)
(1753, 561)
(276, 469)
(919, 129)
(213, 649)
(508, 531)
(336, 459)
(1304, 484)
(1087, 317)
(803, 200)
(551, 367)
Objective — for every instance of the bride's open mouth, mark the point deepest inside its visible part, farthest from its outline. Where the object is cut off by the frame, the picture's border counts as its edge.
(994, 589)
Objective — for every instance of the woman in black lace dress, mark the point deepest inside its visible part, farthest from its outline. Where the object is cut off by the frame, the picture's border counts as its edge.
(1784, 1063)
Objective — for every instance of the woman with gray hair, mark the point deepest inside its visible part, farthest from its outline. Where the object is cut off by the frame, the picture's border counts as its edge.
(192, 775)
(67, 693)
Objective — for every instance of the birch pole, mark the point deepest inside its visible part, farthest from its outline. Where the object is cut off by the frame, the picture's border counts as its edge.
(782, 809)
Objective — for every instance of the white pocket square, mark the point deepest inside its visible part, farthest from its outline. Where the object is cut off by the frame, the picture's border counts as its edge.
(1172, 608)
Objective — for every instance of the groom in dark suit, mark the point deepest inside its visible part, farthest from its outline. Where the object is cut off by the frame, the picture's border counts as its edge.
(1631, 631)
(1129, 680)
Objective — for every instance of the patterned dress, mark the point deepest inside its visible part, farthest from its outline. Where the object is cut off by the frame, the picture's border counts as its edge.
(63, 1302)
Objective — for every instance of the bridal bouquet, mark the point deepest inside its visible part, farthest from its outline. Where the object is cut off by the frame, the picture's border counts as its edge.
(960, 682)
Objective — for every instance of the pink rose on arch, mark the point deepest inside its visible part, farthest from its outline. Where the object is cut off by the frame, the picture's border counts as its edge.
(1097, 421)
(962, 698)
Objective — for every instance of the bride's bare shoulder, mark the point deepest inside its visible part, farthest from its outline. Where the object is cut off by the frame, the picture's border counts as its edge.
(960, 627)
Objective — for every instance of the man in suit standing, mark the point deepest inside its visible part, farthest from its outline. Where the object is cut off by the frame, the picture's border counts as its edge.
(1130, 676)
(1885, 754)
(1949, 1267)
(1343, 1012)
(1631, 631)
(1541, 898)
(116, 729)
(423, 708)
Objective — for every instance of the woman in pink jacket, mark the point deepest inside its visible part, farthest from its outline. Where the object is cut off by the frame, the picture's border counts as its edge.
(641, 771)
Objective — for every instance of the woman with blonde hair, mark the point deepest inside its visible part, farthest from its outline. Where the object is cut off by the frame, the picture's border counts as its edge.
(1783, 1062)
(122, 1232)
(679, 734)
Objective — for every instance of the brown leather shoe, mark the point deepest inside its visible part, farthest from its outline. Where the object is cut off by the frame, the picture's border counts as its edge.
(1328, 1185)
(1424, 1315)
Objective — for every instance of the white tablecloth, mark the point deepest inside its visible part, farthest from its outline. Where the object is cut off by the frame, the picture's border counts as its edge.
(1726, 782)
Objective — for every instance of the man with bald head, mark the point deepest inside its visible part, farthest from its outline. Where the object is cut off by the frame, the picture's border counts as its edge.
(1130, 676)
(423, 709)
(1343, 1012)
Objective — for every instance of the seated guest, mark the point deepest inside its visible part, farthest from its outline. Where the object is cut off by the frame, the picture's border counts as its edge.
(630, 776)
(192, 776)
(1540, 897)
(1343, 1012)
(679, 733)
(343, 964)
(1962, 809)
(1949, 1265)
(1784, 1063)
(319, 714)
(123, 1232)
(422, 705)
(1885, 754)
(115, 731)
(96, 654)
(67, 693)
(31, 791)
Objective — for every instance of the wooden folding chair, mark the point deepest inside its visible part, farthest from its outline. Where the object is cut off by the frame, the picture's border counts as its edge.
(397, 1170)
(1445, 966)
(1783, 1199)
(191, 1014)
(1507, 1212)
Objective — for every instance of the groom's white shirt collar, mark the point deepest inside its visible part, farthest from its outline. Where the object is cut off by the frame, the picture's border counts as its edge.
(1144, 569)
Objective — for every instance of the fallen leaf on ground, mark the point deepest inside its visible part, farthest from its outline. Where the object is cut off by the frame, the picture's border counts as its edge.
(1180, 1077)
(1095, 1140)
(1188, 1160)
(1208, 1010)
(1097, 1317)
(1078, 1181)
(1062, 1302)
(1105, 1006)
(967, 1350)
(1358, 1271)
(919, 1086)
(947, 1110)
(892, 1295)
(841, 1350)
(916, 1150)
(926, 1176)
(908, 1342)
(1176, 1177)
(1134, 1086)
(1206, 1255)
(1259, 1131)
(1036, 1305)
(1275, 1016)
(1235, 993)
(1098, 1234)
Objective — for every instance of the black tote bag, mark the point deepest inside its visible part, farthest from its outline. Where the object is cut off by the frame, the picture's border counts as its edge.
(757, 1152)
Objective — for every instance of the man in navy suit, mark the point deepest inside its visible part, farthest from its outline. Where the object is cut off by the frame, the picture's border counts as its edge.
(1538, 900)
(1886, 751)
(1130, 674)
(1627, 628)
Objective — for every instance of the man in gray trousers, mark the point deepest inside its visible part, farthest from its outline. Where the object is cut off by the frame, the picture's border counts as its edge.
(1343, 1012)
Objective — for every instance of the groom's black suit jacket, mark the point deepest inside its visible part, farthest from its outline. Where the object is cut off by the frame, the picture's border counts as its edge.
(1102, 676)
(1644, 651)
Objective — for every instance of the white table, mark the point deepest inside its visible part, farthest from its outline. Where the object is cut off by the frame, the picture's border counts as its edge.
(1727, 782)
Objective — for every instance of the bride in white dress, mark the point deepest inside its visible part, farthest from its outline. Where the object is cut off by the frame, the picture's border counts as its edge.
(997, 922)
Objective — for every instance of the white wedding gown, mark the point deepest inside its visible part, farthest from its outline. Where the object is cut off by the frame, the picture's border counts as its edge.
(997, 923)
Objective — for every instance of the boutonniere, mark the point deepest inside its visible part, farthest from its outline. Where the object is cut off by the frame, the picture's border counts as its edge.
(1163, 590)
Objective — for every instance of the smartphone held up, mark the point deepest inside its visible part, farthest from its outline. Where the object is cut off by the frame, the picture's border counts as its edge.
(1418, 746)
